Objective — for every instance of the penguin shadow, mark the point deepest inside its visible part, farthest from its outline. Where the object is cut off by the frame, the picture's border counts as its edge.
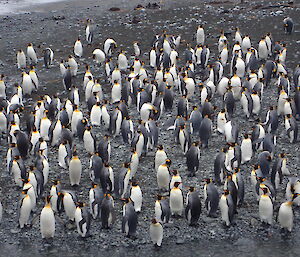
(285, 234)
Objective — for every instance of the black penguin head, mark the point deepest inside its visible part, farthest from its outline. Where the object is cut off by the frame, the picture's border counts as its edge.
(160, 147)
(168, 162)
(24, 191)
(237, 170)
(126, 165)
(159, 197)
(192, 189)
(79, 204)
(154, 221)
(207, 180)
(282, 155)
(175, 172)
(47, 199)
(25, 180)
(134, 183)
(176, 184)
(265, 190)
(17, 157)
(56, 182)
(226, 192)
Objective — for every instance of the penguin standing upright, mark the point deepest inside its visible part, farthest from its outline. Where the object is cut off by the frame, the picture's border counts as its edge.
(78, 49)
(31, 54)
(193, 207)
(227, 208)
(156, 232)
(95, 199)
(211, 198)
(286, 216)
(22, 143)
(265, 206)
(130, 219)
(21, 59)
(47, 220)
(25, 208)
(64, 154)
(219, 166)
(160, 157)
(54, 193)
(69, 200)
(89, 31)
(124, 177)
(75, 169)
(30, 192)
(48, 57)
(89, 140)
(136, 196)
(163, 175)
(205, 131)
(246, 149)
(107, 211)
(193, 159)
(176, 200)
(82, 219)
(291, 128)
(288, 25)
(162, 209)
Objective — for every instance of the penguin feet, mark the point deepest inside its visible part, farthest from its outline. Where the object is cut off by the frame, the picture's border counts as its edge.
(133, 237)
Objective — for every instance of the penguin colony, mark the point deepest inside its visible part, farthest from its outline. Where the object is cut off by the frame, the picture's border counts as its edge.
(238, 77)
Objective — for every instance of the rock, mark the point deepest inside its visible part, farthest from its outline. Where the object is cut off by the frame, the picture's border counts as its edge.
(58, 17)
(180, 241)
(114, 9)
(14, 231)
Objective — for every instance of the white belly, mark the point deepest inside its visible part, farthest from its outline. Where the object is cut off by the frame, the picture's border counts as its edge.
(47, 223)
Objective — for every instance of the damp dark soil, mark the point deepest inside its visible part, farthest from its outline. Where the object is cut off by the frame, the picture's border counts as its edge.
(58, 25)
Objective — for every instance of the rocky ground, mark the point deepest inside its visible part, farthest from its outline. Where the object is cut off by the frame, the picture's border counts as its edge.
(59, 28)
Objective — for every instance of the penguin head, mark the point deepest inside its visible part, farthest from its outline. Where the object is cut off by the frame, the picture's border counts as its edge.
(154, 221)
(196, 143)
(226, 192)
(134, 183)
(236, 170)
(126, 165)
(160, 147)
(192, 189)
(56, 182)
(265, 190)
(79, 204)
(17, 157)
(175, 172)
(47, 199)
(176, 184)
(168, 162)
(24, 191)
(25, 180)
(159, 197)
(207, 180)
(94, 185)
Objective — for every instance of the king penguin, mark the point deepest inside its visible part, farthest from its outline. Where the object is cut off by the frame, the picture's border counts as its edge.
(193, 207)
